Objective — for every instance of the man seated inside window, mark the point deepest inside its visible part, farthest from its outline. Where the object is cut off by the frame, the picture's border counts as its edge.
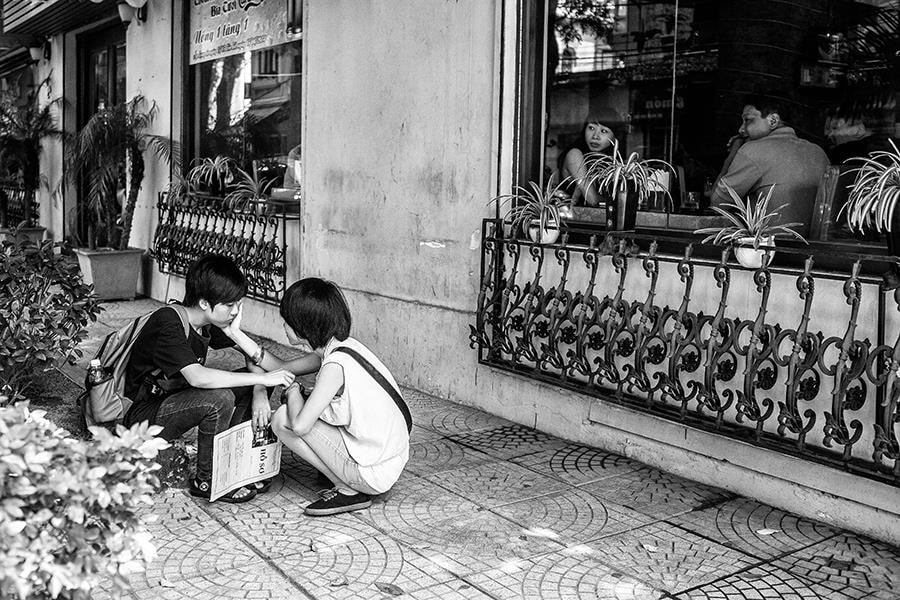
(765, 152)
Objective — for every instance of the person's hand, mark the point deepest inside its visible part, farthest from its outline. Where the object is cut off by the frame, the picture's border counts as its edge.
(235, 326)
(261, 413)
(279, 377)
(735, 142)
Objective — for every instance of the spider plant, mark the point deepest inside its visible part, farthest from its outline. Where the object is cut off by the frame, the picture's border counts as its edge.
(532, 203)
(749, 219)
(249, 187)
(614, 174)
(875, 191)
(216, 173)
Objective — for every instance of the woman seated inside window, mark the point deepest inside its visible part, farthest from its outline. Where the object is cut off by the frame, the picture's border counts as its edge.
(595, 137)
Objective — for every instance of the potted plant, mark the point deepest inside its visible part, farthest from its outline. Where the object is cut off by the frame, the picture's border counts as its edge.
(872, 203)
(23, 127)
(109, 146)
(213, 175)
(624, 183)
(537, 212)
(752, 229)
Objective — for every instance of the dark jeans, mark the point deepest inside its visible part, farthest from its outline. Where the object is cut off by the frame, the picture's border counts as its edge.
(211, 411)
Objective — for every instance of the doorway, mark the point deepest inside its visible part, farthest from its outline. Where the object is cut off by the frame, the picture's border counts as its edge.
(101, 84)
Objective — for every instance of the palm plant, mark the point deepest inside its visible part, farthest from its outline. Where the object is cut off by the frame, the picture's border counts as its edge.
(23, 127)
(532, 204)
(749, 219)
(875, 191)
(112, 141)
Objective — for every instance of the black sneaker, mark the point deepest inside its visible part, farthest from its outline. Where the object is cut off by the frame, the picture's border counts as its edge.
(334, 503)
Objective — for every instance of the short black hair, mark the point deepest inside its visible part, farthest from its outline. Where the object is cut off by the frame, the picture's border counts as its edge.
(317, 311)
(767, 104)
(216, 279)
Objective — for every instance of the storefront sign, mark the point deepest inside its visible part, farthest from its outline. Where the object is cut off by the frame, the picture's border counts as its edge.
(221, 28)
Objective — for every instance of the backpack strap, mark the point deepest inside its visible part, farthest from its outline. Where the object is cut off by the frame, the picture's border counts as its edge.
(380, 379)
(154, 376)
(183, 315)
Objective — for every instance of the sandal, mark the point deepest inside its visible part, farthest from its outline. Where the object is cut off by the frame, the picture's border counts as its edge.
(261, 487)
(202, 489)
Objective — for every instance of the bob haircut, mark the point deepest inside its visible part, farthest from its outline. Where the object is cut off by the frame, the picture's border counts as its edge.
(317, 311)
(216, 279)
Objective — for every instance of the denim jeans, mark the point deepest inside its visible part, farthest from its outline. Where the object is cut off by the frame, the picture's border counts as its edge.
(211, 411)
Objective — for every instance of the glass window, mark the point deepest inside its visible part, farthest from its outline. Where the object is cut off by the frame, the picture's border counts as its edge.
(248, 108)
(669, 80)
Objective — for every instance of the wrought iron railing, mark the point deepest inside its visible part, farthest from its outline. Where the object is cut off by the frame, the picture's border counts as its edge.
(792, 359)
(253, 235)
(15, 205)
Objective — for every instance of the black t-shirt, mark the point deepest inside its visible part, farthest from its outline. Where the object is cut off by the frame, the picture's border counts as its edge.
(161, 344)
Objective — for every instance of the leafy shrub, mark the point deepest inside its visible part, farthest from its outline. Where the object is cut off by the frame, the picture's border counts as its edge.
(69, 508)
(44, 311)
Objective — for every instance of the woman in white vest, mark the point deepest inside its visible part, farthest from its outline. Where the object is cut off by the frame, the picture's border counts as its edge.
(353, 427)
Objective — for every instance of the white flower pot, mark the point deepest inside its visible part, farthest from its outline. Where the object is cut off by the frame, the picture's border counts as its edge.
(750, 257)
(548, 235)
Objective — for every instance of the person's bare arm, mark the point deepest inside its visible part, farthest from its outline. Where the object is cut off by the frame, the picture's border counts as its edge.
(199, 376)
(308, 363)
(330, 380)
(575, 164)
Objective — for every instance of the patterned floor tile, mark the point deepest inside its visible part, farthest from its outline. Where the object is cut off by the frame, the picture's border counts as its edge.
(420, 433)
(293, 467)
(573, 516)
(849, 564)
(477, 543)
(285, 495)
(282, 531)
(578, 464)
(754, 528)
(414, 505)
(247, 581)
(363, 568)
(567, 574)
(203, 549)
(764, 582)
(454, 590)
(420, 401)
(509, 441)
(427, 458)
(496, 483)
(670, 558)
(460, 419)
(172, 509)
(656, 493)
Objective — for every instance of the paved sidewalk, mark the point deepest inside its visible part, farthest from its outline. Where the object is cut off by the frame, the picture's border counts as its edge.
(491, 509)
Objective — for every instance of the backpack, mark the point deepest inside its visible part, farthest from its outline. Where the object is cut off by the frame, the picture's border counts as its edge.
(105, 402)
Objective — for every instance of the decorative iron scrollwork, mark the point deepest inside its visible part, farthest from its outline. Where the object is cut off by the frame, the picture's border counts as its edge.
(684, 364)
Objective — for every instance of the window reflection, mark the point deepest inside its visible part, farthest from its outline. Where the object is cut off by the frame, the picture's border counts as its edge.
(249, 110)
(669, 79)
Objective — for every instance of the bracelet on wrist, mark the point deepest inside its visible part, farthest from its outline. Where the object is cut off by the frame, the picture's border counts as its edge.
(258, 355)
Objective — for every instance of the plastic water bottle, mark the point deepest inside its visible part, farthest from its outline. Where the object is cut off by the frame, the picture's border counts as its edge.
(96, 374)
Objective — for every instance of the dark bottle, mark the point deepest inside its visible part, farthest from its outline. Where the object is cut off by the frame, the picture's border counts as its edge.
(96, 374)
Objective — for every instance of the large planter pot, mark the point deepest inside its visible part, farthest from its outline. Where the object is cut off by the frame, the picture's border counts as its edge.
(11, 234)
(114, 273)
(547, 235)
(750, 257)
